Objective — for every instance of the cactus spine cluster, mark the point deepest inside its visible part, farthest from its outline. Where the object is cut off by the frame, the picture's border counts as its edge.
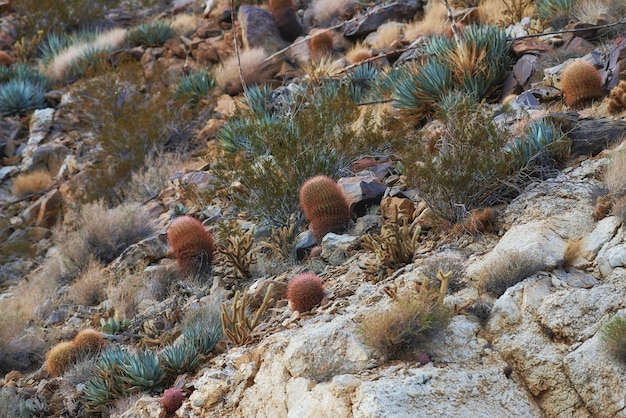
(60, 357)
(320, 45)
(304, 292)
(617, 98)
(325, 206)
(284, 13)
(89, 340)
(581, 83)
(192, 245)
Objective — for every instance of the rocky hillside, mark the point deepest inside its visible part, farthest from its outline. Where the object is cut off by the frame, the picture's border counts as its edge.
(312, 208)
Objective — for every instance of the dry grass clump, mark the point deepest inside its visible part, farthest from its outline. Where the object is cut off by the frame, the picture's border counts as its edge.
(388, 35)
(185, 23)
(148, 181)
(90, 287)
(127, 288)
(358, 53)
(29, 303)
(615, 174)
(411, 321)
(505, 12)
(101, 234)
(72, 60)
(508, 270)
(434, 22)
(323, 11)
(573, 250)
(255, 70)
(33, 182)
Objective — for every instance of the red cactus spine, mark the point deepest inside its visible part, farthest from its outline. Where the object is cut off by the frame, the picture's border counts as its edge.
(60, 357)
(581, 83)
(284, 13)
(325, 206)
(192, 245)
(320, 45)
(172, 400)
(89, 340)
(304, 292)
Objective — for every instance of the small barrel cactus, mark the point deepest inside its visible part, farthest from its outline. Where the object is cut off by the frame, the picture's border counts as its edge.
(60, 357)
(192, 245)
(320, 45)
(325, 206)
(89, 340)
(304, 292)
(581, 83)
(284, 13)
(172, 400)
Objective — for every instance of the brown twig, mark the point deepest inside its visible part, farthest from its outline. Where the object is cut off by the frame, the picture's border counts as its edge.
(537, 35)
(455, 31)
(232, 19)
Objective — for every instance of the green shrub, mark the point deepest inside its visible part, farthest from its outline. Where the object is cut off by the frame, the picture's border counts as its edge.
(468, 163)
(60, 15)
(131, 126)
(476, 66)
(614, 337)
(273, 152)
(153, 33)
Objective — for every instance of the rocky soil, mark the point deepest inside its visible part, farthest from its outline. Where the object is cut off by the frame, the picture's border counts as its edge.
(535, 351)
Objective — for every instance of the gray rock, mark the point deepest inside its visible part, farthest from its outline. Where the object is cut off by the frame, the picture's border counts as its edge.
(40, 124)
(259, 29)
(362, 191)
(336, 248)
(150, 249)
(49, 157)
(369, 22)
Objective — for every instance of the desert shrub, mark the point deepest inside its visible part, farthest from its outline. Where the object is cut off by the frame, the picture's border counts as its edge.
(470, 164)
(476, 66)
(411, 321)
(310, 134)
(507, 271)
(130, 126)
(153, 33)
(614, 337)
(615, 173)
(147, 181)
(60, 15)
(90, 287)
(101, 234)
(127, 287)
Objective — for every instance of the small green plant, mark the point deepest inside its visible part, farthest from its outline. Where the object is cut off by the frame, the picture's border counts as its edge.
(153, 33)
(17, 97)
(33, 407)
(203, 328)
(180, 358)
(542, 144)
(557, 12)
(410, 322)
(237, 325)
(614, 337)
(113, 326)
(142, 371)
(193, 87)
(507, 271)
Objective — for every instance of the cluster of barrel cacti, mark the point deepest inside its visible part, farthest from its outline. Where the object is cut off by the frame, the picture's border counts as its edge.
(65, 353)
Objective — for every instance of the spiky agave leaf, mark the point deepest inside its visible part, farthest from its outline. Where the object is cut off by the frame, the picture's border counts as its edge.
(97, 393)
(542, 143)
(258, 99)
(24, 72)
(205, 337)
(194, 86)
(361, 80)
(548, 8)
(418, 87)
(153, 33)
(142, 371)
(180, 358)
(19, 96)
